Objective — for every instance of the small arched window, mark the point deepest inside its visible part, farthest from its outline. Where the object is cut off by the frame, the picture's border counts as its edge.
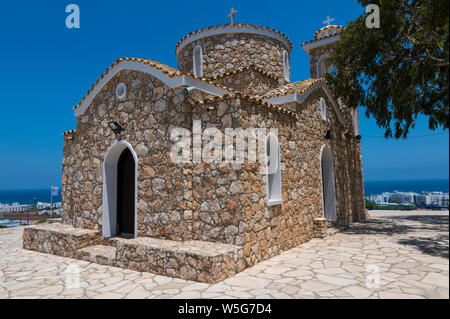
(197, 60)
(355, 117)
(323, 109)
(273, 170)
(323, 66)
(286, 66)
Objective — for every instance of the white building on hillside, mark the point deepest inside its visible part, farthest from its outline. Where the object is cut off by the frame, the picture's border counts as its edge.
(13, 208)
(433, 198)
(404, 198)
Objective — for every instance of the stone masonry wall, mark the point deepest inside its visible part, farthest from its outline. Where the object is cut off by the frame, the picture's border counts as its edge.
(270, 230)
(248, 81)
(59, 239)
(164, 189)
(209, 201)
(175, 201)
(231, 51)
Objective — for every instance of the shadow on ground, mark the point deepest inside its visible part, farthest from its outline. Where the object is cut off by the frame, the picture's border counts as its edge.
(436, 245)
(428, 233)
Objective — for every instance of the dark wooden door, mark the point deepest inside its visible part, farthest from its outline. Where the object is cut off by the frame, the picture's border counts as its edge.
(125, 194)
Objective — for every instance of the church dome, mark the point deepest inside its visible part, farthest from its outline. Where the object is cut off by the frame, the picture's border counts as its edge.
(328, 31)
(217, 50)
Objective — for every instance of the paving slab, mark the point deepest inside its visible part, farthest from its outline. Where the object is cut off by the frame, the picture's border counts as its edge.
(394, 254)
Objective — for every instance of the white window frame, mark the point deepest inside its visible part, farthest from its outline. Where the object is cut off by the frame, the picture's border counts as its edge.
(121, 87)
(286, 66)
(273, 173)
(323, 108)
(319, 61)
(355, 117)
(197, 60)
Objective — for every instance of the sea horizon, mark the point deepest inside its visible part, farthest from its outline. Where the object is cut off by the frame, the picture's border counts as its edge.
(25, 196)
(371, 187)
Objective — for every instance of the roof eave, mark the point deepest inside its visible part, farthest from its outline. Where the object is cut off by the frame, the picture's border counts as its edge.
(300, 98)
(228, 28)
(170, 81)
(308, 46)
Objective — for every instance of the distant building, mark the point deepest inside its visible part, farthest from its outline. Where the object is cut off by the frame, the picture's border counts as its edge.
(402, 198)
(411, 198)
(41, 205)
(13, 208)
(380, 199)
(20, 208)
(432, 199)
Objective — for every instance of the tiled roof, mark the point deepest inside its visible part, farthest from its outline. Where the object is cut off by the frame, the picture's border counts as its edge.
(336, 28)
(171, 72)
(257, 100)
(299, 87)
(69, 132)
(245, 68)
(248, 26)
(68, 135)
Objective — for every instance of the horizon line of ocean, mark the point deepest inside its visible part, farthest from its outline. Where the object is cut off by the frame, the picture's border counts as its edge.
(369, 180)
(371, 187)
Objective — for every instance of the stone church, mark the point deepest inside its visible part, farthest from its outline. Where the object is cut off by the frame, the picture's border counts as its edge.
(127, 203)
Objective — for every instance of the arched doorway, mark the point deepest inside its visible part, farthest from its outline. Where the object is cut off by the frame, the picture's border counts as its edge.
(328, 189)
(125, 194)
(119, 191)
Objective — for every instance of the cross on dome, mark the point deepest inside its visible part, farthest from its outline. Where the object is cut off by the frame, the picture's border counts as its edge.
(328, 20)
(231, 15)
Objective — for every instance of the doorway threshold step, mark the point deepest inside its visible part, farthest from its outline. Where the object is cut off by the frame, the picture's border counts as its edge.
(100, 254)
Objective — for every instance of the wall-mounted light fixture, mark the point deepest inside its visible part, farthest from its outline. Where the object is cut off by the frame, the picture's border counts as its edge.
(358, 137)
(329, 135)
(188, 90)
(115, 127)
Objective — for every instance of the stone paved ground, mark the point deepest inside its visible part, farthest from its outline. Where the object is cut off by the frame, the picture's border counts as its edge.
(409, 249)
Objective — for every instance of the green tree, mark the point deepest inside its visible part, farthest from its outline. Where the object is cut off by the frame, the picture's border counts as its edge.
(399, 70)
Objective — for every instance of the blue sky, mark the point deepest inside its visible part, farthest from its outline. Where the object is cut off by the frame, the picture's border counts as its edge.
(47, 68)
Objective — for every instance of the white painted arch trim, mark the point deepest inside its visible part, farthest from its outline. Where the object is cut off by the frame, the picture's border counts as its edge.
(197, 60)
(323, 56)
(234, 29)
(273, 179)
(307, 47)
(109, 218)
(327, 147)
(355, 117)
(171, 82)
(323, 108)
(288, 98)
(286, 66)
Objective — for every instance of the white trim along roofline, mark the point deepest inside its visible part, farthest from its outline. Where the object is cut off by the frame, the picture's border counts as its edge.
(314, 44)
(302, 97)
(233, 29)
(171, 82)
